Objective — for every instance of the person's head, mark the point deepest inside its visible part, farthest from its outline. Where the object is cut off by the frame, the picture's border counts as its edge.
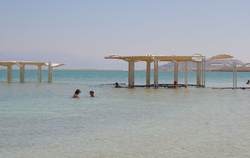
(91, 93)
(175, 82)
(117, 85)
(77, 91)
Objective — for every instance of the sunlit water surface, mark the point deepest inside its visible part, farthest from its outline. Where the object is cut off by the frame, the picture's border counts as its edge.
(42, 120)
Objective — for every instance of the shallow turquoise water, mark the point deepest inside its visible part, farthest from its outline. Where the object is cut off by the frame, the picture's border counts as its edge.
(42, 120)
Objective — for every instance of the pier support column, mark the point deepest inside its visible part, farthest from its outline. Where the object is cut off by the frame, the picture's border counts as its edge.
(176, 72)
(49, 73)
(203, 71)
(22, 69)
(148, 74)
(198, 79)
(131, 74)
(234, 75)
(186, 73)
(9, 79)
(39, 73)
(155, 73)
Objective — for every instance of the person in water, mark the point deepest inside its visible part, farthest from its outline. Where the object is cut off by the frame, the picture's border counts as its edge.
(117, 85)
(76, 95)
(248, 82)
(174, 86)
(91, 94)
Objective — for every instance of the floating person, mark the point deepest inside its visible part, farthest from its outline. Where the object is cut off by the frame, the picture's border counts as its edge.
(248, 82)
(174, 86)
(91, 94)
(117, 85)
(76, 95)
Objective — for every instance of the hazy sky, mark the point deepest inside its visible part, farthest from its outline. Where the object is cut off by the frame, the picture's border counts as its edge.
(80, 33)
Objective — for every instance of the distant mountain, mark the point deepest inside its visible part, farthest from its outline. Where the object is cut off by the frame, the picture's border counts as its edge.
(210, 65)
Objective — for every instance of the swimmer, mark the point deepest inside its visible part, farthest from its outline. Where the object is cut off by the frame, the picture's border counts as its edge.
(174, 86)
(91, 94)
(117, 85)
(76, 95)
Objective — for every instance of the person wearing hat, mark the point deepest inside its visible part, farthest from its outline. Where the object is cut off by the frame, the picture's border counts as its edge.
(77, 92)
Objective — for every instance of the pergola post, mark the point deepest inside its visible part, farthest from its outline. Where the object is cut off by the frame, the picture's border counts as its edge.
(176, 72)
(131, 72)
(155, 73)
(9, 67)
(148, 74)
(49, 72)
(22, 69)
(234, 75)
(186, 73)
(203, 71)
(198, 79)
(39, 73)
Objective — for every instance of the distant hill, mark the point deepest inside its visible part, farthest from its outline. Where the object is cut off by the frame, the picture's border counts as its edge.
(209, 67)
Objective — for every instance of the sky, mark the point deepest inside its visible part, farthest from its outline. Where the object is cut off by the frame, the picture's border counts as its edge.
(80, 33)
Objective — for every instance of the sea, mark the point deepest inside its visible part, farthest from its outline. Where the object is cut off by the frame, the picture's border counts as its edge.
(42, 120)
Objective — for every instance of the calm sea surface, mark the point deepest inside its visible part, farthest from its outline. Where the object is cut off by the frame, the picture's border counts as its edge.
(39, 120)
